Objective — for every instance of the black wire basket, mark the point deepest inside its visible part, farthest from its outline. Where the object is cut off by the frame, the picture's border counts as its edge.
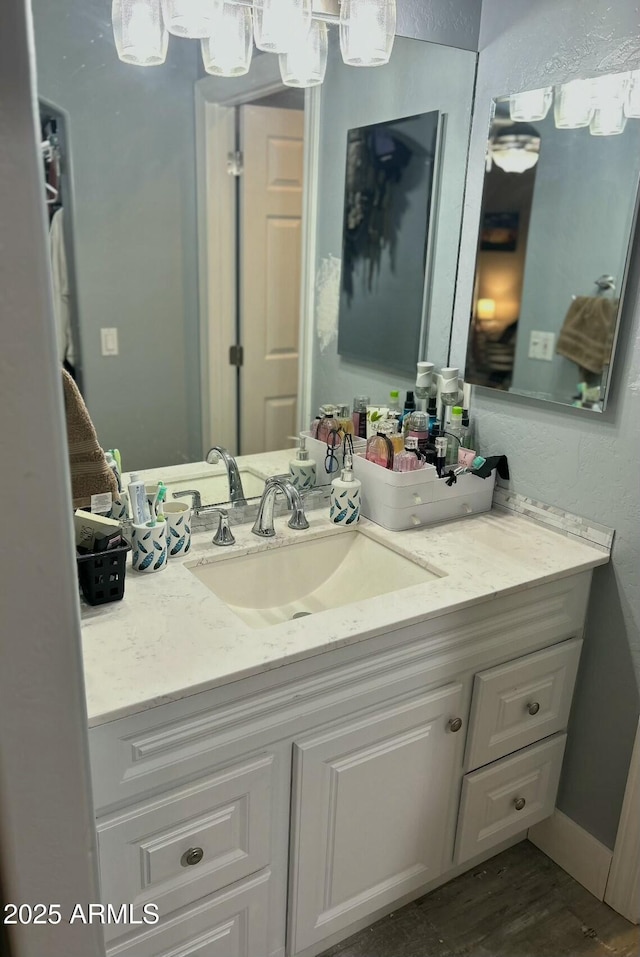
(102, 574)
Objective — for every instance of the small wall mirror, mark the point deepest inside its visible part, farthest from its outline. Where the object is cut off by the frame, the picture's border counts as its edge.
(389, 182)
(558, 213)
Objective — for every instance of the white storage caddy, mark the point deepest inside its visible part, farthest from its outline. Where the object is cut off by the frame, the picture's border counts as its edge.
(399, 500)
(318, 452)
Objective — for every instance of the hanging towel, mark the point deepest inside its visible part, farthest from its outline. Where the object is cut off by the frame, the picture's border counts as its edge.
(586, 336)
(90, 474)
(61, 292)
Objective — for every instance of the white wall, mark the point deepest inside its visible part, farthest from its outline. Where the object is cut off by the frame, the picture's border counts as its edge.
(47, 837)
(132, 135)
(580, 461)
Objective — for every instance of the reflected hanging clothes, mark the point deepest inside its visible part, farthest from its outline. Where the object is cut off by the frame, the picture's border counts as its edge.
(61, 291)
(586, 337)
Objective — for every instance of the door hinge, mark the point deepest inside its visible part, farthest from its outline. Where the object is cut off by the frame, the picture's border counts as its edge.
(235, 163)
(236, 356)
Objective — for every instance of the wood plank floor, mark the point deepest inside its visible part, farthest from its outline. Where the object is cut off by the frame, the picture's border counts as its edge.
(518, 904)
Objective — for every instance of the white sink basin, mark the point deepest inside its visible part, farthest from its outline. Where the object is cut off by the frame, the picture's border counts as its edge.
(214, 485)
(298, 579)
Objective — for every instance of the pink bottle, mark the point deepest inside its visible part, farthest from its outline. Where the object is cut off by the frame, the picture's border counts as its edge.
(380, 449)
(410, 459)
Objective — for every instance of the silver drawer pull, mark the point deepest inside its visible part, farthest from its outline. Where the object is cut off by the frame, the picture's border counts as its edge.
(455, 724)
(193, 856)
(519, 803)
(533, 707)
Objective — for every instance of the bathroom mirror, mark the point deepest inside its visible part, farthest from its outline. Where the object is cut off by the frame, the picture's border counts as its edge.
(558, 214)
(127, 161)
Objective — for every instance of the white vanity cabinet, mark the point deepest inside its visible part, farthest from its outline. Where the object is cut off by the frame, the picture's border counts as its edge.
(276, 814)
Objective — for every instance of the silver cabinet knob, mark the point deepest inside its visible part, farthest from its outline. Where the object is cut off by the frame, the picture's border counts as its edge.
(455, 724)
(519, 803)
(533, 707)
(193, 856)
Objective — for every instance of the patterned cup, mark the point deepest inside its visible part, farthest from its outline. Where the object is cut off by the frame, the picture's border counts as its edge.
(178, 516)
(149, 547)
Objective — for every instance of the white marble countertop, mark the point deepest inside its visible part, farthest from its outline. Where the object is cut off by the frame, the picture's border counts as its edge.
(171, 637)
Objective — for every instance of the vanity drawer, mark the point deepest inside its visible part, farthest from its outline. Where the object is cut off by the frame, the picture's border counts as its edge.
(520, 702)
(176, 848)
(507, 797)
(232, 923)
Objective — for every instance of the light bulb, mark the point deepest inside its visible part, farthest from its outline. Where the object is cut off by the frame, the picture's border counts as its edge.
(138, 31)
(194, 19)
(305, 64)
(530, 105)
(227, 52)
(278, 25)
(367, 31)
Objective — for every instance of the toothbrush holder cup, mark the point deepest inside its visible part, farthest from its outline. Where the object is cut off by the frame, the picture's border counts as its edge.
(149, 547)
(178, 521)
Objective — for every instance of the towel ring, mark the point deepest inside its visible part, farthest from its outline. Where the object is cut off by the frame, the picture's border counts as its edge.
(605, 282)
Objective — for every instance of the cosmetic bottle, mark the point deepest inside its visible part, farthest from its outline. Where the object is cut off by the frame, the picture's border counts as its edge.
(467, 438)
(394, 401)
(418, 423)
(138, 500)
(359, 417)
(328, 424)
(448, 391)
(454, 435)
(441, 453)
(380, 448)
(432, 413)
(343, 416)
(409, 407)
(395, 432)
(410, 459)
(345, 496)
(302, 469)
(424, 381)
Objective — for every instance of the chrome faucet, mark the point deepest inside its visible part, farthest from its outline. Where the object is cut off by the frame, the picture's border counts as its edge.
(263, 525)
(236, 491)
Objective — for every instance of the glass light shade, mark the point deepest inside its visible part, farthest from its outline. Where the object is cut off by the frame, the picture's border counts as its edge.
(514, 159)
(306, 63)
(530, 105)
(608, 89)
(486, 309)
(573, 104)
(227, 52)
(632, 102)
(278, 25)
(367, 31)
(194, 19)
(139, 33)
(609, 120)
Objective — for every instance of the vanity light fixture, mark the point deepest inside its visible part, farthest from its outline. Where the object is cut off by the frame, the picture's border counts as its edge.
(573, 106)
(193, 19)
(305, 64)
(226, 28)
(609, 96)
(515, 148)
(531, 105)
(228, 51)
(139, 32)
(632, 101)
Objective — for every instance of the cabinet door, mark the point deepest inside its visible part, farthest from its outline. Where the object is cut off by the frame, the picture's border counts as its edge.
(371, 806)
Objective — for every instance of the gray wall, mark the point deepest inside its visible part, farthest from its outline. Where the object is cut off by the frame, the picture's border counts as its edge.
(47, 831)
(420, 77)
(452, 22)
(132, 134)
(584, 196)
(579, 461)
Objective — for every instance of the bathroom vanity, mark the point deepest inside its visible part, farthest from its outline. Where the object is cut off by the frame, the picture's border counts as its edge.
(273, 788)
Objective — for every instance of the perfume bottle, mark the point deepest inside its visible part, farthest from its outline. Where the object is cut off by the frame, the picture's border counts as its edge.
(418, 423)
(343, 416)
(329, 426)
(359, 417)
(380, 448)
(410, 459)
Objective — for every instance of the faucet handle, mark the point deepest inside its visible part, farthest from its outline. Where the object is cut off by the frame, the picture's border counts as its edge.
(224, 535)
(196, 498)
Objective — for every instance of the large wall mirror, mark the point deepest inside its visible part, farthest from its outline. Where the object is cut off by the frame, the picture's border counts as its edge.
(122, 159)
(558, 213)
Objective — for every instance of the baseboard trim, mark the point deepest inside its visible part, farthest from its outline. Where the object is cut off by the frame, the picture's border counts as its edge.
(575, 850)
(623, 889)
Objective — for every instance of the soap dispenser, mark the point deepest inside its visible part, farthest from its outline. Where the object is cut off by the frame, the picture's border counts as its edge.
(302, 469)
(345, 496)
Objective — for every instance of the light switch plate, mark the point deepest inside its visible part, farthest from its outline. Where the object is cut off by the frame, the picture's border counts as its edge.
(542, 345)
(109, 342)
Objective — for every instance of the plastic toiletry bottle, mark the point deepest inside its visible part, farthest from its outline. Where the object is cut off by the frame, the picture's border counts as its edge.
(455, 435)
(302, 469)
(359, 417)
(441, 453)
(419, 429)
(345, 496)
(410, 459)
(394, 401)
(467, 438)
(432, 413)
(424, 381)
(343, 416)
(380, 448)
(138, 500)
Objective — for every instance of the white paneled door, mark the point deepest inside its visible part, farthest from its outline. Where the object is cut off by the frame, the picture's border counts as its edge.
(270, 254)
